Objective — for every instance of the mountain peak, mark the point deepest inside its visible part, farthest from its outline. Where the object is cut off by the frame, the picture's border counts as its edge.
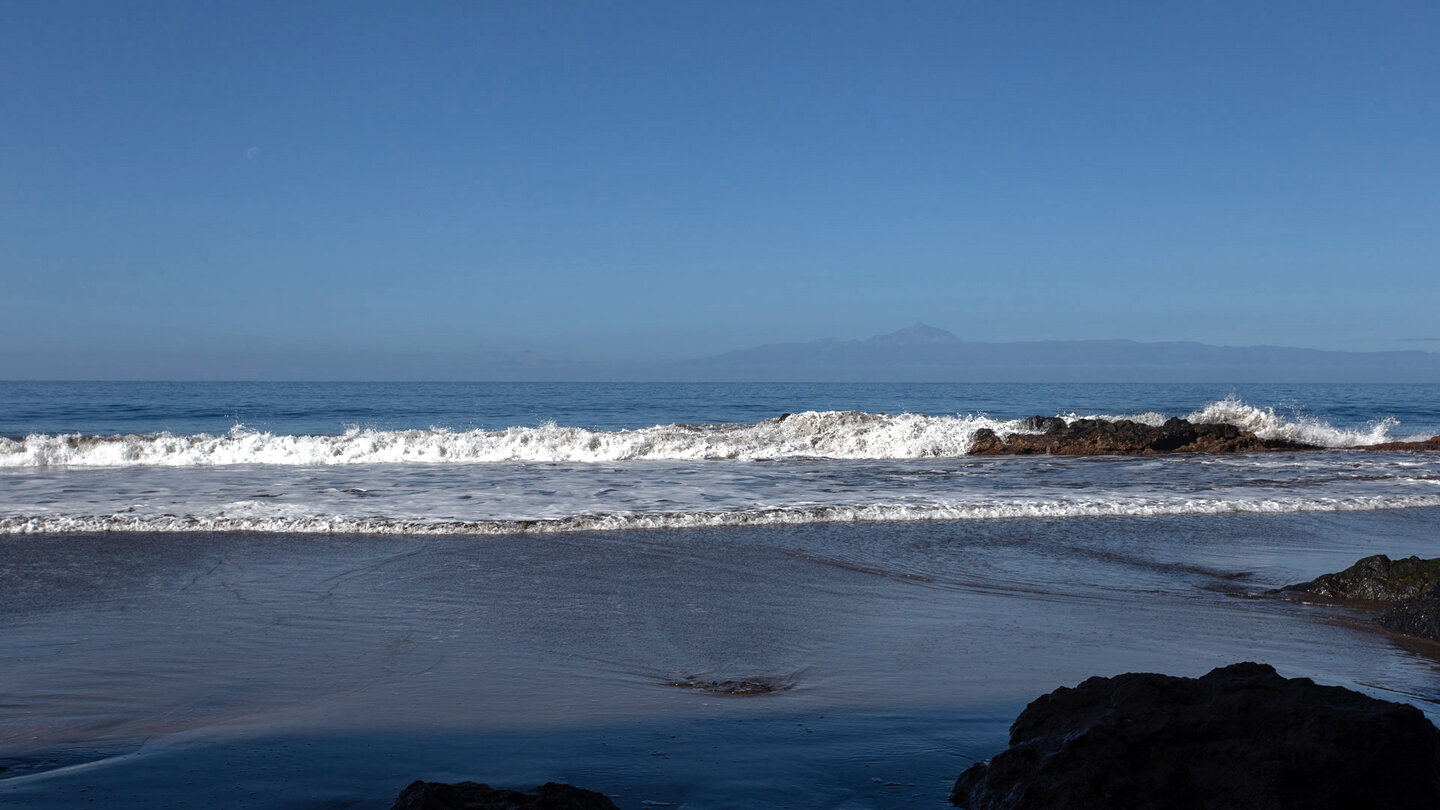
(918, 335)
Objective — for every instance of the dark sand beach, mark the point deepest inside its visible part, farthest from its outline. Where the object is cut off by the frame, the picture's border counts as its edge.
(273, 670)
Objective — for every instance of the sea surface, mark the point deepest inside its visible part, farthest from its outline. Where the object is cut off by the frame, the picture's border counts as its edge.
(488, 458)
(306, 596)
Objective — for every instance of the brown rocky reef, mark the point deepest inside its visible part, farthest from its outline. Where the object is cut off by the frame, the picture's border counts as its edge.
(1241, 736)
(1123, 437)
(474, 796)
(1412, 585)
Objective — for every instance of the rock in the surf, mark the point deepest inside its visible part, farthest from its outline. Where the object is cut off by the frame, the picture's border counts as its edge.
(1123, 437)
(1417, 615)
(474, 796)
(1240, 736)
(1376, 578)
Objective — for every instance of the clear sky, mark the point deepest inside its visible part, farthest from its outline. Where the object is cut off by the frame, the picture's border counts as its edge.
(262, 189)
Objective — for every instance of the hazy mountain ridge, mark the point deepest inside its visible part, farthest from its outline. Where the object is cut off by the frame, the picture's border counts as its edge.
(918, 353)
(923, 353)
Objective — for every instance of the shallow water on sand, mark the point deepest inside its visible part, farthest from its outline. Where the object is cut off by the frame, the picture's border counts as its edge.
(273, 670)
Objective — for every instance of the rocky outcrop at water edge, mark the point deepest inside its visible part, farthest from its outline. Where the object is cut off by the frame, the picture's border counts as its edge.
(1411, 584)
(1376, 578)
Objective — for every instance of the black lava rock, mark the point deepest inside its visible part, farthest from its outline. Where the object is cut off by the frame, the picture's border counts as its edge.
(1239, 737)
(1418, 615)
(1377, 578)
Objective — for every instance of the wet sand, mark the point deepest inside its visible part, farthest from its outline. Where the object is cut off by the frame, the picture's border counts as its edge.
(265, 670)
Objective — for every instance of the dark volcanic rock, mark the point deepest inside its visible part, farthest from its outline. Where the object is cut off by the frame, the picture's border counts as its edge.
(1417, 615)
(1123, 437)
(474, 796)
(1376, 578)
(1239, 737)
(1412, 584)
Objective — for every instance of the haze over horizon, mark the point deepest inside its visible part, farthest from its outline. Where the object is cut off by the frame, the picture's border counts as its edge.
(373, 191)
(917, 353)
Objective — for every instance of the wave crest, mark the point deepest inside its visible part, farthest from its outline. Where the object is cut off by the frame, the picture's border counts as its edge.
(812, 434)
(828, 434)
(1267, 424)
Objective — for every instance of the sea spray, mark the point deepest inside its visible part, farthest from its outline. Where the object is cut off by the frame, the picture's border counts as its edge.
(1302, 429)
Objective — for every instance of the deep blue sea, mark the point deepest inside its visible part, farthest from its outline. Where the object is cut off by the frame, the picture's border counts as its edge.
(104, 408)
(494, 458)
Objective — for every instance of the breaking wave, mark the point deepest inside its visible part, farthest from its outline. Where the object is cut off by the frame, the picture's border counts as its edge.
(813, 434)
(1267, 424)
(995, 510)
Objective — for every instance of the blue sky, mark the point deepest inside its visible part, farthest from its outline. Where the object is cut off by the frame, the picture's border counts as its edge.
(262, 189)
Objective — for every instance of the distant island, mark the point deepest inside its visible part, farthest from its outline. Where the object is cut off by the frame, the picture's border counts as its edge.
(918, 354)
(922, 353)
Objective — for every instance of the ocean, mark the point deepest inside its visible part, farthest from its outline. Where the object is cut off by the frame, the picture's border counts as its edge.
(307, 595)
(505, 458)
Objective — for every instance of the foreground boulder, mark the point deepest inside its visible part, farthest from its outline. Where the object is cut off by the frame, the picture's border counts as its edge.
(1239, 737)
(474, 796)
(1123, 437)
(1377, 578)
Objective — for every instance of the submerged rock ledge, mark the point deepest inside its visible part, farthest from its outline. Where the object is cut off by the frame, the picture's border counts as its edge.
(474, 796)
(1241, 736)
(739, 687)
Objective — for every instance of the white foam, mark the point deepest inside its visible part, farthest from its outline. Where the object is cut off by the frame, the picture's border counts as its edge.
(812, 434)
(1151, 418)
(993, 510)
(1267, 424)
